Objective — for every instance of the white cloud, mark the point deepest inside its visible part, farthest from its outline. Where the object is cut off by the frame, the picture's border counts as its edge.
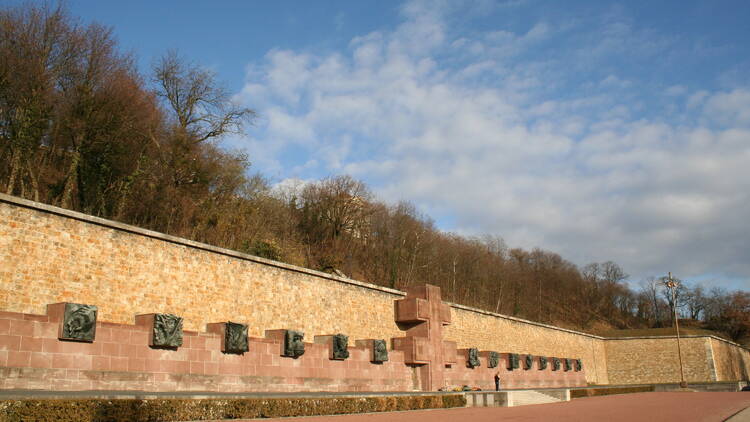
(730, 108)
(614, 81)
(676, 90)
(480, 139)
(697, 99)
(290, 185)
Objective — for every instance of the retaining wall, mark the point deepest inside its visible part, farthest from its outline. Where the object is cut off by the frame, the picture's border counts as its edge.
(732, 363)
(654, 360)
(52, 255)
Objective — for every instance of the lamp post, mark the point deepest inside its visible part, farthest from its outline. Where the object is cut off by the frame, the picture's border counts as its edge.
(672, 285)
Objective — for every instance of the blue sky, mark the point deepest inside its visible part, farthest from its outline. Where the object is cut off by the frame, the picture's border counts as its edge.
(599, 130)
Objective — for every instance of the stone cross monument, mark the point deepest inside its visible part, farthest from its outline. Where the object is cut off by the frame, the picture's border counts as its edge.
(423, 315)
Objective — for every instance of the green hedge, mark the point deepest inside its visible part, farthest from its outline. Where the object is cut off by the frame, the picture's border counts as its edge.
(592, 392)
(141, 410)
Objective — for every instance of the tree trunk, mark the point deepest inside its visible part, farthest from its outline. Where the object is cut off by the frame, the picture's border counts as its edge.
(71, 179)
(34, 180)
(499, 297)
(15, 163)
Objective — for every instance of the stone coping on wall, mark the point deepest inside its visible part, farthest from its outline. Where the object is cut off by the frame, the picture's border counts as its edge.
(681, 336)
(38, 206)
(523, 321)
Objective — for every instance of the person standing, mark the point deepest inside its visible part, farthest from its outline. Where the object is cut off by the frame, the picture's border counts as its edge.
(497, 381)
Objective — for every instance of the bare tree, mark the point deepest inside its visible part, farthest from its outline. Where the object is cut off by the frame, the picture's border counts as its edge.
(201, 108)
(651, 288)
(36, 45)
(695, 301)
(612, 273)
(674, 302)
(730, 314)
(333, 213)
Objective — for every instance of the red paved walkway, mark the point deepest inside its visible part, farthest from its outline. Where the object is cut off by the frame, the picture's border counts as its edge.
(662, 407)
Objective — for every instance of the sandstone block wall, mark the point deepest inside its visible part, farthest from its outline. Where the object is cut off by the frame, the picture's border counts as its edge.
(487, 331)
(49, 258)
(654, 360)
(484, 377)
(32, 357)
(51, 255)
(732, 363)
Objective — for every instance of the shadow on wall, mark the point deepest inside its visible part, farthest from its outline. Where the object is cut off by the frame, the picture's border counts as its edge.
(743, 367)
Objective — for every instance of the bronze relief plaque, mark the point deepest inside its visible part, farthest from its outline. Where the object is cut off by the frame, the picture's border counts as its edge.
(340, 347)
(528, 361)
(493, 360)
(542, 362)
(473, 358)
(79, 322)
(379, 351)
(167, 331)
(235, 338)
(513, 361)
(294, 347)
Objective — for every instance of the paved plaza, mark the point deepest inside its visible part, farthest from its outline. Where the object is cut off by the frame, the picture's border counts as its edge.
(661, 407)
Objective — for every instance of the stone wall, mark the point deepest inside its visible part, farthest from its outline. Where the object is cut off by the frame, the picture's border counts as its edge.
(51, 255)
(484, 377)
(732, 363)
(119, 358)
(489, 331)
(55, 255)
(654, 360)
